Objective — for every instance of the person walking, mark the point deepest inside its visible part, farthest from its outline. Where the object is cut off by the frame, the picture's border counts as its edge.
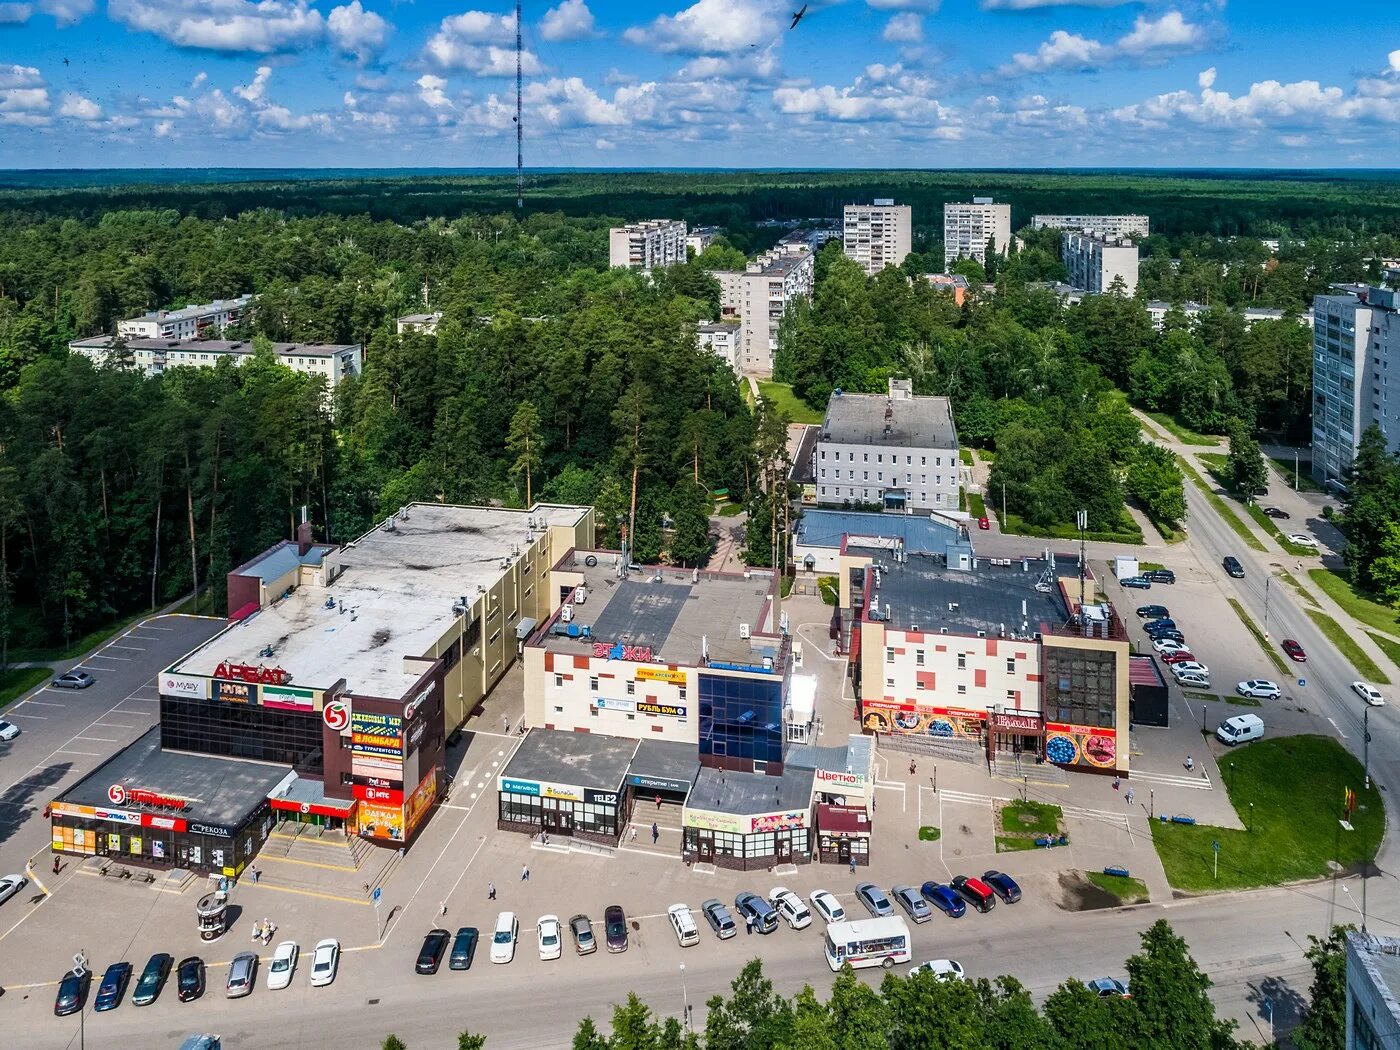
(913, 767)
(1128, 795)
(748, 925)
(853, 865)
(1117, 783)
(634, 833)
(490, 891)
(442, 907)
(655, 833)
(55, 865)
(658, 800)
(525, 873)
(1190, 763)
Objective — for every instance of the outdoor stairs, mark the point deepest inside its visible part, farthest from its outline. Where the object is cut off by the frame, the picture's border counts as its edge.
(1022, 769)
(934, 748)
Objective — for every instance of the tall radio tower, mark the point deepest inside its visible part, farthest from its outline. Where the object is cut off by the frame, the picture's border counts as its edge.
(519, 121)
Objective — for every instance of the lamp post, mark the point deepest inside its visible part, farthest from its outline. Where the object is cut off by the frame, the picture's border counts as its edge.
(1366, 744)
(685, 999)
(1267, 579)
(1250, 826)
(1295, 478)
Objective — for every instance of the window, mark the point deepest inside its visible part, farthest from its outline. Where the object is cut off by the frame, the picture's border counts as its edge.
(558, 710)
(889, 655)
(962, 690)
(865, 457)
(918, 658)
(889, 683)
(1011, 696)
(879, 457)
(593, 684)
(346, 778)
(919, 684)
(923, 461)
(962, 661)
(908, 460)
(682, 692)
(1010, 665)
(558, 681)
(631, 688)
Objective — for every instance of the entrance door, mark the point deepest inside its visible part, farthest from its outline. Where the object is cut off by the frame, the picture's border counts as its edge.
(843, 850)
(706, 847)
(558, 822)
(782, 846)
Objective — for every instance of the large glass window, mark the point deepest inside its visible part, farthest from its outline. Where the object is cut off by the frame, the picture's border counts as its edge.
(1082, 686)
(210, 727)
(741, 717)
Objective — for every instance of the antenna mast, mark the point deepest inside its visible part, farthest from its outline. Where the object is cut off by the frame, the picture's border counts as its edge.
(519, 124)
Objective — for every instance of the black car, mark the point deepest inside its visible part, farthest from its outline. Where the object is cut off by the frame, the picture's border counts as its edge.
(430, 955)
(72, 993)
(1152, 612)
(1003, 885)
(152, 980)
(463, 948)
(1162, 623)
(1160, 575)
(1141, 583)
(189, 979)
(1233, 566)
(1170, 635)
(615, 928)
(113, 987)
(1275, 512)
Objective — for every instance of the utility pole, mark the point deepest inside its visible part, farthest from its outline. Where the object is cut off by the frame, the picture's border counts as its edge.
(519, 118)
(1267, 580)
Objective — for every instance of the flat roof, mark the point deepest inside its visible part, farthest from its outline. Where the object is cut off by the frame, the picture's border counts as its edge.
(217, 346)
(587, 760)
(919, 533)
(812, 756)
(914, 422)
(196, 310)
(1143, 670)
(988, 598)
(219, 790)
(397, 592)
(731, 791)
(667, 759)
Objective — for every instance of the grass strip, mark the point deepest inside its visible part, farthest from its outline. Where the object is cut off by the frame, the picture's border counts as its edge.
(976, 505)
(1288, 578)
(1272, 653)
(1243, 531)
(785, 401)
(1127, 889)
(1285, 471)
(17, 681)
(830, 588)
(1184, 434)
(1357, 606)
(965, 456)
(1346, 645)
(1013, 524)
(1389, 646)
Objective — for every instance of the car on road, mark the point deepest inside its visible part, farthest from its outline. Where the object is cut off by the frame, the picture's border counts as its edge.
(1190, 667)
(1179, 656)
(463, 948)
(1233, 567)
(908, 898)
(1294, 650)
(113, 987)
(152, 979)
(827, 906)
(503, 940)
(72, 993)
(1259, 689)
(1160, 575)
(1107, 988)
(944, 898)
(325, 961)
(790, 907)
(1302, 539)
(1194, 679)
(10, 885)
(283, 965)
(717, 915)
(753, 907)
(242, 972)
(615, 928)
(1275, 512)
(189, 979)
(984, 523)
(581, 927)
(550, 937)
(1137, 583)
(430, 955)
(875, 902)
(73, 680)
(8, 730)
(1003, 885)
(1152, 612)
(942, 969)
(975, 892)
(1369, 693)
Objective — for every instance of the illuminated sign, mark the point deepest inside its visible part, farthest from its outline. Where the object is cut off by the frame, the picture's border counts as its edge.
(336, 715)
(1013, 723)
(288, 699)
(519, 787)
(618, 651)
(669, 710)
(375, 734)
(379, 795)
(259, 674)
(119, 795)
(184, 685)
(661, 674)
(826, 776)
(418, 701)
(235, 692)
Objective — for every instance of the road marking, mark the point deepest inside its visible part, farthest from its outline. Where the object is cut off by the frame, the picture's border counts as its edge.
(966, 798)
(65, 751)
(1338, 729)
(40, 703)
(313, 893)
(144, 699)
(112, 725)
(21, 714)
(308, 863)
(133, 648)
(100, 656)
(98, 739)
(1201, 783)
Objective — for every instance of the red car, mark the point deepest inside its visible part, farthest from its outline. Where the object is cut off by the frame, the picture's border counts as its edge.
(1294, 651)
(983, 523)
(1178, 657)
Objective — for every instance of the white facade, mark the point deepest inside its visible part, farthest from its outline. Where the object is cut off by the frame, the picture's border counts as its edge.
(968, 227)
(701, 237)
(334, 362)
(877, 235)
(645, 245)
(1157, 310)
(1107, 225)
(1094, 262)
(759, 297)
(425, 323)
(724, 340)
(190, 322)
(1356, 337)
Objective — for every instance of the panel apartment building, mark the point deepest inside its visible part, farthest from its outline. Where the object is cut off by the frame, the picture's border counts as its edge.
(333, 361)
(189, 322)
(878, 234)
(1356, 337)
(968, 227)
(759, 296)
(1107, 225)
(1095, 261)
(647, 245)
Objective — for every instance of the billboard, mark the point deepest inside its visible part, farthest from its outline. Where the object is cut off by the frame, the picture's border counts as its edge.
(186, 685)
(235, 692)
(660, 674)
(376, 734)
(287, 698)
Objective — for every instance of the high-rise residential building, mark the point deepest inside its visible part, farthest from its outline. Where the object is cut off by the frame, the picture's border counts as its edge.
(644, 245)
(1108, 225)
(760, 295)
(1356, 337)
(878, 234)
(188, 322)
(725, 340)
(967, 229)
(1095, 261)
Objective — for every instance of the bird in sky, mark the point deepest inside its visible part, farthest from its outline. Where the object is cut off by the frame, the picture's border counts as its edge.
(797, 17)
(65, 61)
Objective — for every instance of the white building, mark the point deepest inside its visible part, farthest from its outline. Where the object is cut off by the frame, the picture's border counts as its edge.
(759, 297)
(878, 234)
(190, 322)
(725, 340)
(1107, 225)
(897, 450)
(699, 238)
(968, 227)
(1157, 310)
(1094, 261)
(333, 361)
(645, 245)
(1373, 990)
(425, 323)
(1356, 336)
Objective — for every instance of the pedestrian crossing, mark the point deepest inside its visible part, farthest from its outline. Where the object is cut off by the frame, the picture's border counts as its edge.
(1199, 781)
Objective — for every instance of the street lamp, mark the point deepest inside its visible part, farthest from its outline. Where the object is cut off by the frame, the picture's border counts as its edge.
(1250, 826)
(685, 999)
(1366, 744)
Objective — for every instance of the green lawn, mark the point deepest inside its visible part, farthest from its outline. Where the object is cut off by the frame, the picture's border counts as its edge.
(17, 681)
(1346, 645)
(785, 401)
(1305, 481)
(1183, 434)
(1293, 829)
(1243, 531)
(1128, 890)
(1389, 646)
(1357, 606)
(730, 510)
(965, 455)
(1130, 533)
(1019, 824)
(1287, 577)
(1269, 650)
(80, 646)
(976, 506)
(830, 588)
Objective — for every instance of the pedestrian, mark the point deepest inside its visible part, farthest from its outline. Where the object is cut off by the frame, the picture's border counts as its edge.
(1190, 764)
(255, 873)
(55, 865)
(1129, 796)
(490, 891)
(1117, 783)
(655, 833)
(525, 873)
(442, 907)
(748, 925)
(913, 767)
(853, 865)
(505, 724)
(634, 833)
(658, 800)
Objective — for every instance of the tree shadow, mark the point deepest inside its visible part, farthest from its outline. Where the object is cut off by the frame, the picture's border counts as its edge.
(28, 796)
(1276, 1002)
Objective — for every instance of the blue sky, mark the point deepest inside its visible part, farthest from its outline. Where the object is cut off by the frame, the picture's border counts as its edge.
(716, 83)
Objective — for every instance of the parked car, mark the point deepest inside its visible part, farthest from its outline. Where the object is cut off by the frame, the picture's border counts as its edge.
(325, 961)
(113, 987)
(8, 730)
(1295, 651)
(1240, 729)
(1168, 645)
(1139, 583)
(683, 925)
(1302, 539)
(790, 907)
(1190, 667)
(581, 926)
(1275, 512)
(283, 965)
(1193, 679)
(1179, 656)
(189, 979)
(1369, 693)
(827, 906)
(73, 680)
(10, 885)
(1108, 988)
(984, 524)
(875, 902)
(1159, 623)
(752, 906)
(1160, 575)
(503, 940)
(944, 898)
(72, 993)
(242, 972)
(550, 937)
(615, 928)
(975, 892)
(1152, 612)
(152, 979)
(430, 955)
(1170, 634)
(717, 915)
(1003, 885)
(1259, 689)
(463, 948)
(1233, 567)
(942, 969)
(908, 898)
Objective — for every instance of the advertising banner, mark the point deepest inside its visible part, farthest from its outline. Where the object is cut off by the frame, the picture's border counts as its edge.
(567, 792)
(421, 800)
(728, 822)
(649, 783)
(376, 734)
(184, 685)
(520, 787)
(668, 710)
(1089, 746)
(883, 716)
(609, 704)
(378, 795)
(381, 822)
(779, 821)
(287, 698)
(661, 674)
(841, 781)
(235, 692)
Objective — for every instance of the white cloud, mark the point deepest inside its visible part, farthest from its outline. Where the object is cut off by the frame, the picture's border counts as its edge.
(1028, 5)
(265, 27)
(571, 20)
(79, 108)
(1394, 57)
(432, 90)
(893, 95)
(603, 144)
(927, 6)
(1149, 40)
(712, 27)
(24, 97)
(366, 82)
(67, 12)
(199, 79)
(15, 14)
(254, 92)
(1294, 141)
(1206, 78)
(906, 28)
(753, 64)
(357, 32)
(481, 43)
(1171, 32)
(569, 102)
(1063, 50)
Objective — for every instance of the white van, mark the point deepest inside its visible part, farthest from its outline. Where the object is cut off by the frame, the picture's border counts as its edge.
(687, 933)
(1240, 730)
(503, 940)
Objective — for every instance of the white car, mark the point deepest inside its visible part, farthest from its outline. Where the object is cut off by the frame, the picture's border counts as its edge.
(1369, 693)
(1194, 679)
(1260, 689)
(1190, 667)
(10, 885)
(325, 960)
(8, 730)
(550, 937)
(1301, 539)
(283, 965)
(827, 906)
(504, 938)
(1169, 645)
(943, 969)
(790, 907)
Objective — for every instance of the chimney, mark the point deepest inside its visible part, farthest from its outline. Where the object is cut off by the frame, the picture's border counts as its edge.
(303, 534)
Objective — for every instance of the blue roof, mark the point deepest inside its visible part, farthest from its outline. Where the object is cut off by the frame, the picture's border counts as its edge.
(281, 561)
(920, 533)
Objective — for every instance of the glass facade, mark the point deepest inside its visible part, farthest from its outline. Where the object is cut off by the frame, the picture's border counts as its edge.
(761, 849)
(209, 727)
(1080, 686)
(561, 816)
(741, 718)
(91, 836)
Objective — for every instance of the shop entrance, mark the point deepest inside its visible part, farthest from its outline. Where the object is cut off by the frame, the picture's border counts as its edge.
(843, 850)
(558, 821)
(782, 848)
(705, 848)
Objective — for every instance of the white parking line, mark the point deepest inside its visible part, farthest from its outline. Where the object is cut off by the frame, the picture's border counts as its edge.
(39, 703)
(1338, 729)
(133, 648)
(100, 656)
(144, 699)
(113, 725)
(21, 714)
(65, 751)
(98, 739)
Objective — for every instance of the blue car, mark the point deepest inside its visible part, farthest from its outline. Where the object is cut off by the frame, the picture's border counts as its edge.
(113, 987)
(944, 899)
(1138, 582)
(1003, 885)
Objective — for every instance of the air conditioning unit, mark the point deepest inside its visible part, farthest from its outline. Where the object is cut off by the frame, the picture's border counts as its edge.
(743, 630)
(566, 613)
(580, 594)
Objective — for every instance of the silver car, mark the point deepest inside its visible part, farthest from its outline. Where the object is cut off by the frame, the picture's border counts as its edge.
(241, 974)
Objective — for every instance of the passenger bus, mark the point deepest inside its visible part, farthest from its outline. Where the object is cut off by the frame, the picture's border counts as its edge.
(868, 942)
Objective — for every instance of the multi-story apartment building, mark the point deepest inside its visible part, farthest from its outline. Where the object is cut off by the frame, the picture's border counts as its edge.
(1157, 310)
(724, 339)
(898, 450)
(333, 361)
(700, 237)
(1107, 225)
(968, 228)
(424, 323)
(1095, 261)
(190, 322)
(1373, 990)
(1356, 337)
(645, 245)
(878, 234)
(760, 296)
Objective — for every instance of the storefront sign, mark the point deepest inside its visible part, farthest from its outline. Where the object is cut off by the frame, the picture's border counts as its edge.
(641, 780)
(660, 674)
(377, 782)
(417, 702)
(120, 795)
(520, 787)
(117, 816)
(381, 822)
(317, 808)
(600, 798)
(669, 710)
(728, 822)
(162, 823)
(840, 780)
(336, 715)
(376, 734)
(235, 692)
(421, 800)
(609, 704)
(184, 685)
(779, 821)
(1091, 746)
(258, 674)
(217, 830)
(562, 791)
(1005, 722)
(618, 651)
(285, 698)
(378, 795)
(67, 809)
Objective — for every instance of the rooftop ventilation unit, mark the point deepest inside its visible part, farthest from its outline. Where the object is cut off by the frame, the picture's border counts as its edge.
(743, 630)
(403, 513)
(389, 524)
